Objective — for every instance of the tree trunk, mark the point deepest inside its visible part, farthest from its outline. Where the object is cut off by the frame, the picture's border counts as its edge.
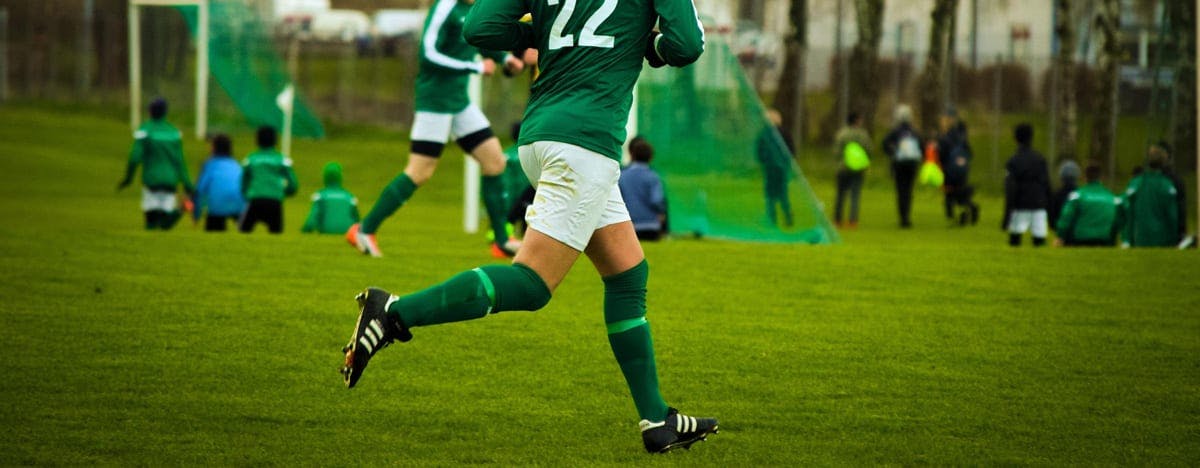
(1064, 118)
(789, 95)
(1183, 26)
(931, 100)
(863, 93)
(1104, 124)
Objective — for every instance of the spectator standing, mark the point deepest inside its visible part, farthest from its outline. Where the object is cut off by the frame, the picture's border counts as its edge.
(1026, 190)
(903, 145)
(954, 155)
(776, 165)
(219, 187)
(851, 143)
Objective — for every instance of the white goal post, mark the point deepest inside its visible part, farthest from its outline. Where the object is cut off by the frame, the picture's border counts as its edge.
(135, 60)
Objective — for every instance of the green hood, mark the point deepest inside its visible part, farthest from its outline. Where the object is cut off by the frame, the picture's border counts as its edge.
(333, 174)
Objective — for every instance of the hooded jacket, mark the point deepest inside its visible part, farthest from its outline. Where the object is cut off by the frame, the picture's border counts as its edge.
(334, 209)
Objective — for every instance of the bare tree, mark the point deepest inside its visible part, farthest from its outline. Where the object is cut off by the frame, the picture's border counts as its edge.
(1064, 90)
(931, 100)
(789, 97)
(1104, 125)
(1183, 132)
(862, 83)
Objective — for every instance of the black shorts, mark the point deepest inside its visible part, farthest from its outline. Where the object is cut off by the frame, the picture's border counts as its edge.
(263, 210)
(214, 223)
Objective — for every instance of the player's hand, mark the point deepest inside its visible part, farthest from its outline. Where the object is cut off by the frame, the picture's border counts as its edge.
(489, 67)
(513, 65)
(652, 57)
(530, 57)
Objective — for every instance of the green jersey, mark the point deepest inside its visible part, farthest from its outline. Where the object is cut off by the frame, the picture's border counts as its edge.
(590, 55)
(446, 60)
(1091, 215)
(1151, 214)
(268, 174)
(158, 147)
(334, 209)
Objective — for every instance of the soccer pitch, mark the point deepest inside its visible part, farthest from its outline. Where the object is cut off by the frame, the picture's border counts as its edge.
(931, 346)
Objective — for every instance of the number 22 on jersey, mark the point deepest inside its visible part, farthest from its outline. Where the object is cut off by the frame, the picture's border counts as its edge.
(588, 36)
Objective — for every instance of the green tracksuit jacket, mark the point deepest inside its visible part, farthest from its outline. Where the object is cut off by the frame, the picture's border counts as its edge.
(158, 148)
(268, 174)
(1091, 215)
(1151, 212)
(334, 209)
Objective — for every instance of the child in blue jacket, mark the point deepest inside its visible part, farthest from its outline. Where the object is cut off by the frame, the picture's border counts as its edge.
(219, 188)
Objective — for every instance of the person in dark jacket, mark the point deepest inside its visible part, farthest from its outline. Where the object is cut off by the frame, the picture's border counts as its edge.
(776, 163)
(1068, 177)
(1150, 207)
(642, 190)
(954, 155)
(1026, 190)
(1161, 148)
(903, 146)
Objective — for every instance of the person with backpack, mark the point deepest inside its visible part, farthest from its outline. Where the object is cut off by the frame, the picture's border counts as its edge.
(903, 145)
(954, 154)
(851, 143)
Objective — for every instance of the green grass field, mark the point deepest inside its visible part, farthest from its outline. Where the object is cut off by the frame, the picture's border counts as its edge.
(936, 345)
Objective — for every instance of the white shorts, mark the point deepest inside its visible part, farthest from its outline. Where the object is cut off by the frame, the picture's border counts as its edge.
(438, 128)
(1026, 220)
(577, 192)
(157, 200)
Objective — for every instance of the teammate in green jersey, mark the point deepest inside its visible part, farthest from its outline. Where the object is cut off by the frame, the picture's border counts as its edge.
(444, 110)
(158, 148)
(590, 54)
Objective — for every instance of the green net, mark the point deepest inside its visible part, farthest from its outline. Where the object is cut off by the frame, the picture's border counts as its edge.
(728, 173)
(249, 70)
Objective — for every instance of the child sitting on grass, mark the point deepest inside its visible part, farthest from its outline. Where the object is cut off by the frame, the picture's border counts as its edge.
(334, 209)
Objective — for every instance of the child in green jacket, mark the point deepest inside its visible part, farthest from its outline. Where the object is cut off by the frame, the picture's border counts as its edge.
(334, 209)
(158, 148)
(267, 177)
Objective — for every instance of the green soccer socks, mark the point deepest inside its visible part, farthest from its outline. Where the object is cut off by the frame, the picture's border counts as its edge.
(629, 336)
(393, 196)
(496, 201)
(473, 294)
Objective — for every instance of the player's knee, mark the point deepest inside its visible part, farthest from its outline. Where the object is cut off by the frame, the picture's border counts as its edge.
(517, 287)
(471, 141)
(625, 294)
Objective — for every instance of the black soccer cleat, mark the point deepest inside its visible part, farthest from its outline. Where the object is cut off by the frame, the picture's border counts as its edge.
(375, 330)
(676, 431)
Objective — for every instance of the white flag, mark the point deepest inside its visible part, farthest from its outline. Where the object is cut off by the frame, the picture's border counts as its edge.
(285, 99)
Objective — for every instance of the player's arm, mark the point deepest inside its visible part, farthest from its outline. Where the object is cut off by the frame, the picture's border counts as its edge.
(680, 39)
(314, 214)
(434, 35)
(496, 25)
(290, 175)
(135, 158)
(181, 167)
(1068, 217)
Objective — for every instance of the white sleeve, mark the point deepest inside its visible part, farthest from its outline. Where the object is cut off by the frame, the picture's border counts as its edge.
(441, 11)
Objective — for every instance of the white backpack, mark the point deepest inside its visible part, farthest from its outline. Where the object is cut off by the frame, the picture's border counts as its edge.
(909, 148)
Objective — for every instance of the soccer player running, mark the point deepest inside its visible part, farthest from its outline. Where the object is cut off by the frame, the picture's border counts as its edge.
(444, 110)
(591, 53)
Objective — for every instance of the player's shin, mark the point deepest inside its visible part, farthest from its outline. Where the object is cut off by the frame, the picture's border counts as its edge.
(398, 191)
(473, 294)
(629, 336)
